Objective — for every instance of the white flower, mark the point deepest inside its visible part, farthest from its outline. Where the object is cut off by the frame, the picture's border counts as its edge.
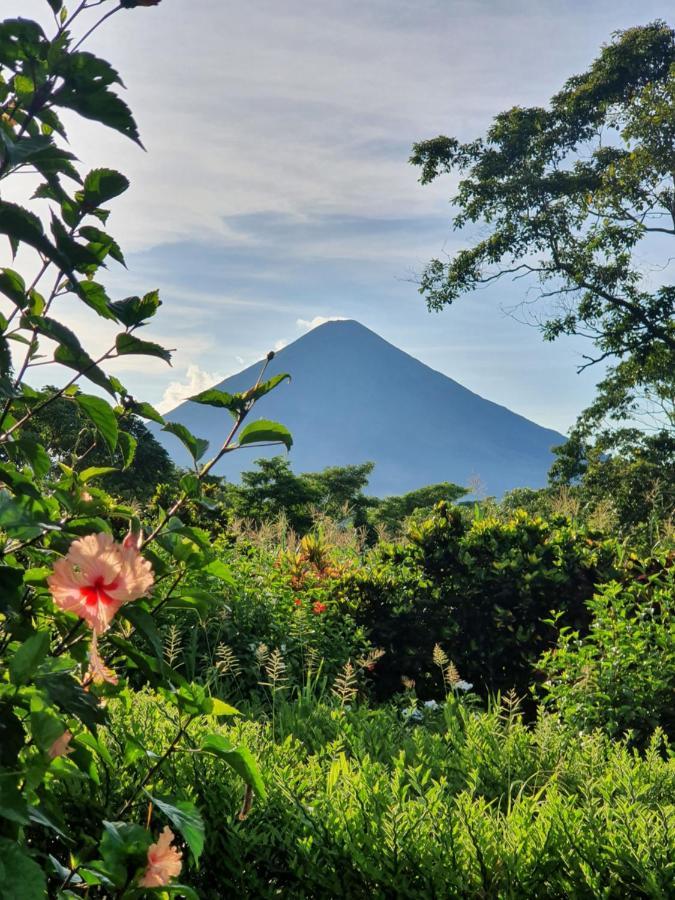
(430, 704)
(462, 685)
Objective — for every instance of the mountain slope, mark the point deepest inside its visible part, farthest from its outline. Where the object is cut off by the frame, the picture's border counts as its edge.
(354, 397)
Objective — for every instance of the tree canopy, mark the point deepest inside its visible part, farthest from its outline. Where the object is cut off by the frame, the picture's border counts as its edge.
(573, 195)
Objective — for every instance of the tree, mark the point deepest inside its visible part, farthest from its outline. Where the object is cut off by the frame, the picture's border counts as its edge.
(274, 489)
(572, 195)
(70, 437)
(393, 511)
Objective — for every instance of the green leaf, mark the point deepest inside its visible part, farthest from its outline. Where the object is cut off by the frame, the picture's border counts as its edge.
(128, 344)
(185, 817)
(53, 330)
(102, 244)
(147, 412)
(13, 806)
(101, 414)
(190, 484)
(21, 40)
(92, 472)
(220, 708)
(99, 748)
(102, 185)
(102, 106)
(197, 447)
(144, 624)
(121, 840)
(22, 876)
(33, 451)
(238, 758)
(255, 393)
(134, 311)
(22, 226)
(85, 365)
(11, 588)
(28, 657)
(264, 431)
(45, 728)
(219, 399)
(127, 444)
(13, 286)
(70, 697)
(94, 295)
(220, 570)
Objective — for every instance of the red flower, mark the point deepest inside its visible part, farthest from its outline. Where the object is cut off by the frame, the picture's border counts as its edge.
(319, 608)
(297, 602)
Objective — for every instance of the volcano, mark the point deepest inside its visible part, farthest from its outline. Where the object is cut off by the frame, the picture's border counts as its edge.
(354, 398)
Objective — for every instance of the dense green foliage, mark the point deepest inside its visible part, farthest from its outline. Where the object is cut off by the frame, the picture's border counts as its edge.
(483, 588)
(620, 675)
(469, 805)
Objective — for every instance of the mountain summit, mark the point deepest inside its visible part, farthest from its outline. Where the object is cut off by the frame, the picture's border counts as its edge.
(354, 397)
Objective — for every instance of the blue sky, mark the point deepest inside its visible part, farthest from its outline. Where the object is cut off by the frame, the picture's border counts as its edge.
(276, 189)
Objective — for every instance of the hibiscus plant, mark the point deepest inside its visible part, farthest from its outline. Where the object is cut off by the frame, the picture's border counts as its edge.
(84, 581)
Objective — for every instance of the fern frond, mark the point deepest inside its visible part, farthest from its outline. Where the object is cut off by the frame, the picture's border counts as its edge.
(172, 645)
(226, 661)
(345, 685)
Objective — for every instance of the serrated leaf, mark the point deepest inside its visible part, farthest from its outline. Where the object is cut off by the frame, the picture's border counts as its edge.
(101, 185)
(148, 412)
(22, 226)
(265, 431)
(94, 295)
(85, 365)
(133, 311)
(127, 444)
(13, 286)
(218, 399)
(128, 344)
(197, 447)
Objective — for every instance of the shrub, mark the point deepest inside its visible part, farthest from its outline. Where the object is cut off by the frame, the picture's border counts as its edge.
(620, 675)
(484, 589)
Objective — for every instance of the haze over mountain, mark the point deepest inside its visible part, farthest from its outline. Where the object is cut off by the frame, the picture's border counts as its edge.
(354, 397)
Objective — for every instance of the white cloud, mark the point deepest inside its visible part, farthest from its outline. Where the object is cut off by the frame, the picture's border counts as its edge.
(196, 380)
(279, 345)
(308, 324)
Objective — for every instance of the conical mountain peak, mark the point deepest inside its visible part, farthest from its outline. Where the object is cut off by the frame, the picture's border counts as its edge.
(354, 398)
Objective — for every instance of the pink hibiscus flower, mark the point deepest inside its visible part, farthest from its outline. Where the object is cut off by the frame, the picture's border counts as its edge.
(164, 861)
(97, 576)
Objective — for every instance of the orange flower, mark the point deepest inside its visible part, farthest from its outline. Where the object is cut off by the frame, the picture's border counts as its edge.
(297, 602)
(319, 608)
(164, 861)
(60, 746)
(96, 577)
